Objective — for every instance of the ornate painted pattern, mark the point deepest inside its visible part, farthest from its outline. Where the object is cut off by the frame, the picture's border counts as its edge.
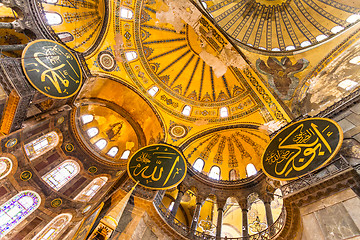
(181, 75)
(295, 22)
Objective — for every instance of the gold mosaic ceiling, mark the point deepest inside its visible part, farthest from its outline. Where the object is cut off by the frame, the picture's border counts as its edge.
(282, 25)
(77, 23)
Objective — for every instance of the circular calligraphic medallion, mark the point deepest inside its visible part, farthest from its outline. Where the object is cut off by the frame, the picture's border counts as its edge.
(92, 169)
(69, 147)
(56, 202)
(158, 166)
(301, 148)
(11, 142)
(51, 68)
(25, 175)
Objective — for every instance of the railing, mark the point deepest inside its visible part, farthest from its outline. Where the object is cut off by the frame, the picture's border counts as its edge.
(338, 165)
(185, 231)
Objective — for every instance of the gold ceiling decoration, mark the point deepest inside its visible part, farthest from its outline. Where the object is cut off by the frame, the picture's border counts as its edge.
(229, 149)
(281, 25)
(77, 23)
(192, 66)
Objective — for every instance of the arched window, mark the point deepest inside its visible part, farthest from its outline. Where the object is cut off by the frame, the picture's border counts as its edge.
(132, 55)
(215, 172)
(289, 48)
(337, 29)
(17, 209)
(87, 118)
(113, 151)
(153, 90)
(186, 111)
(232, 175)
(199, 165)
(5, 166)
(65, 36)
(305, 44)
(101, 144)
(125, 154)
(353, 18)
(355, 60)
(62, 174)
(126, 13)
(224, 112)
(91, 189)
(321, 37)
(250, 170)
(53, 18)
(41, 145)
(92, 132)
(54, 228)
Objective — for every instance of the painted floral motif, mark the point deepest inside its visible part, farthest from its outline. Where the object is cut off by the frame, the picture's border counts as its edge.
(281, 74)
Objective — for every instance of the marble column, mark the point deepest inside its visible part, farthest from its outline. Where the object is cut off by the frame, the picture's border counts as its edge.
(245, 231)
(244, 209)
(194, 222)
(219, 223)
(269, 217)
(177, 203)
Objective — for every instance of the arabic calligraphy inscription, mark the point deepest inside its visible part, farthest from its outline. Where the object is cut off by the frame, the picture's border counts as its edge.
(52, 69)
(157, 166)
(301, 148)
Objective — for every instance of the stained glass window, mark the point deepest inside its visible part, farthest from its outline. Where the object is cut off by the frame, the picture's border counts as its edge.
(41, 145)
(215, 172)
(199, 164)
(5, 166)
(54, 228)
(61, 174)
(91, 189)
(17, 209)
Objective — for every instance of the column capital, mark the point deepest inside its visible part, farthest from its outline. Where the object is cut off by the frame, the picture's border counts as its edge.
(220, 204)
(181, 188)
(200, 200)
(243, 203)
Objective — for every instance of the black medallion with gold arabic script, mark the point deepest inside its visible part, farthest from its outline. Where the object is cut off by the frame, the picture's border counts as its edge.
(301, 148)
(52, 69)
(157, 166)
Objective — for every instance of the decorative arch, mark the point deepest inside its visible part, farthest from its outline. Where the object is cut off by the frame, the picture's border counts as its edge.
(41, 145)
(61, 174)
(54, 227)
(91, 189)
(18, 208)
